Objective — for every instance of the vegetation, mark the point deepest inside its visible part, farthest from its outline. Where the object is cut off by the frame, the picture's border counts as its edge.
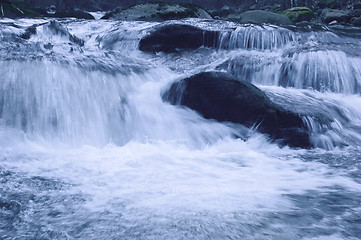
(299, 14)
(20, 9)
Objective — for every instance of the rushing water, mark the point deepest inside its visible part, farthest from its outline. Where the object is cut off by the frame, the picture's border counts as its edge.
(88, 149)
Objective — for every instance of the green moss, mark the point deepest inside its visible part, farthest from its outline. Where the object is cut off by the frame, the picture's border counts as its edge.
(298, 14)
(161, 11)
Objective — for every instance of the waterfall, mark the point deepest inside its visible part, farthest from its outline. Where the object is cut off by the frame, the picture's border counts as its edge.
(257, 37)
(324, 71)
(63, 102)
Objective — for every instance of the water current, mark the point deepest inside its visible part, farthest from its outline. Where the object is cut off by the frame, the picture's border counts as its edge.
(88, 149)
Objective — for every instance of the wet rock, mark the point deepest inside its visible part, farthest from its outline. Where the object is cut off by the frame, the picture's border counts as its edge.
(29, 32)
(48, 46)
(260, 16)
(56, 28)
(299, 14)
(356, 13)
(11, 206)
(356, 21)
(79, 14)
(217, 96)
(334, 4)
(357, 5)
(175, 37)
(222, 13)
(329, 15)
(158, 12)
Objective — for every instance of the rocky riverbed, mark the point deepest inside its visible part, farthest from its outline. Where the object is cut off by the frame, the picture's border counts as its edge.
(281, 12)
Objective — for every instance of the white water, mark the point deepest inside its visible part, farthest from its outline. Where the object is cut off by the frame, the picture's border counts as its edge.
(89, 150)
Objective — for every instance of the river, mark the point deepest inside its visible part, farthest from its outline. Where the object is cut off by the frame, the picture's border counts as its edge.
(88, 149)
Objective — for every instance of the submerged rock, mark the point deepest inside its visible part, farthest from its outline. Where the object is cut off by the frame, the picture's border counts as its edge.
(158, 12)
(29, 32)
(299, 14)
(57, 29)
(260, 16)
(217, 96)
(174, 37)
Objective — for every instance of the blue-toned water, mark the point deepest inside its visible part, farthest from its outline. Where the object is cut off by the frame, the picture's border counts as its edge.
(88, 149)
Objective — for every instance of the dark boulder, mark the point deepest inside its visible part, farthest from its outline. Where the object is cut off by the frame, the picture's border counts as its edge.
(29, 32)
(57, 29)
(356, 13)
(334, 4)
(217, 96)
(357, 5)
(329, 15)
(356, 21)
(171, 38)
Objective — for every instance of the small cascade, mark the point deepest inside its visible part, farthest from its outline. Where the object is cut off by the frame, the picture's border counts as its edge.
(257, 37)
(334, 119)
(323, 71)
(89, 150)
(251, 67)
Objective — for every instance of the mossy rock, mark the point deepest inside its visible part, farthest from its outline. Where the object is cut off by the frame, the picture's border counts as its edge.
(260, 16)
(158, 11)
(299, 14)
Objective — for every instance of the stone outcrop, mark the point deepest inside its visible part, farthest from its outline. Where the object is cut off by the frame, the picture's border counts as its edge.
(260, 16)
(329, 15)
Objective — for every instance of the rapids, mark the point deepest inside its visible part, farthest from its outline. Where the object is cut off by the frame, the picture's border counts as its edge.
(88, 149)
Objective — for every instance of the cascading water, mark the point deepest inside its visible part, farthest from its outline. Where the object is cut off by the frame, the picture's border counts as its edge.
(88, 149)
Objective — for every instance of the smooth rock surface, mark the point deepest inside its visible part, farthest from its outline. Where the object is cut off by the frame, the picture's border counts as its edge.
(329, 15)
(217, 96)
(175, 37)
